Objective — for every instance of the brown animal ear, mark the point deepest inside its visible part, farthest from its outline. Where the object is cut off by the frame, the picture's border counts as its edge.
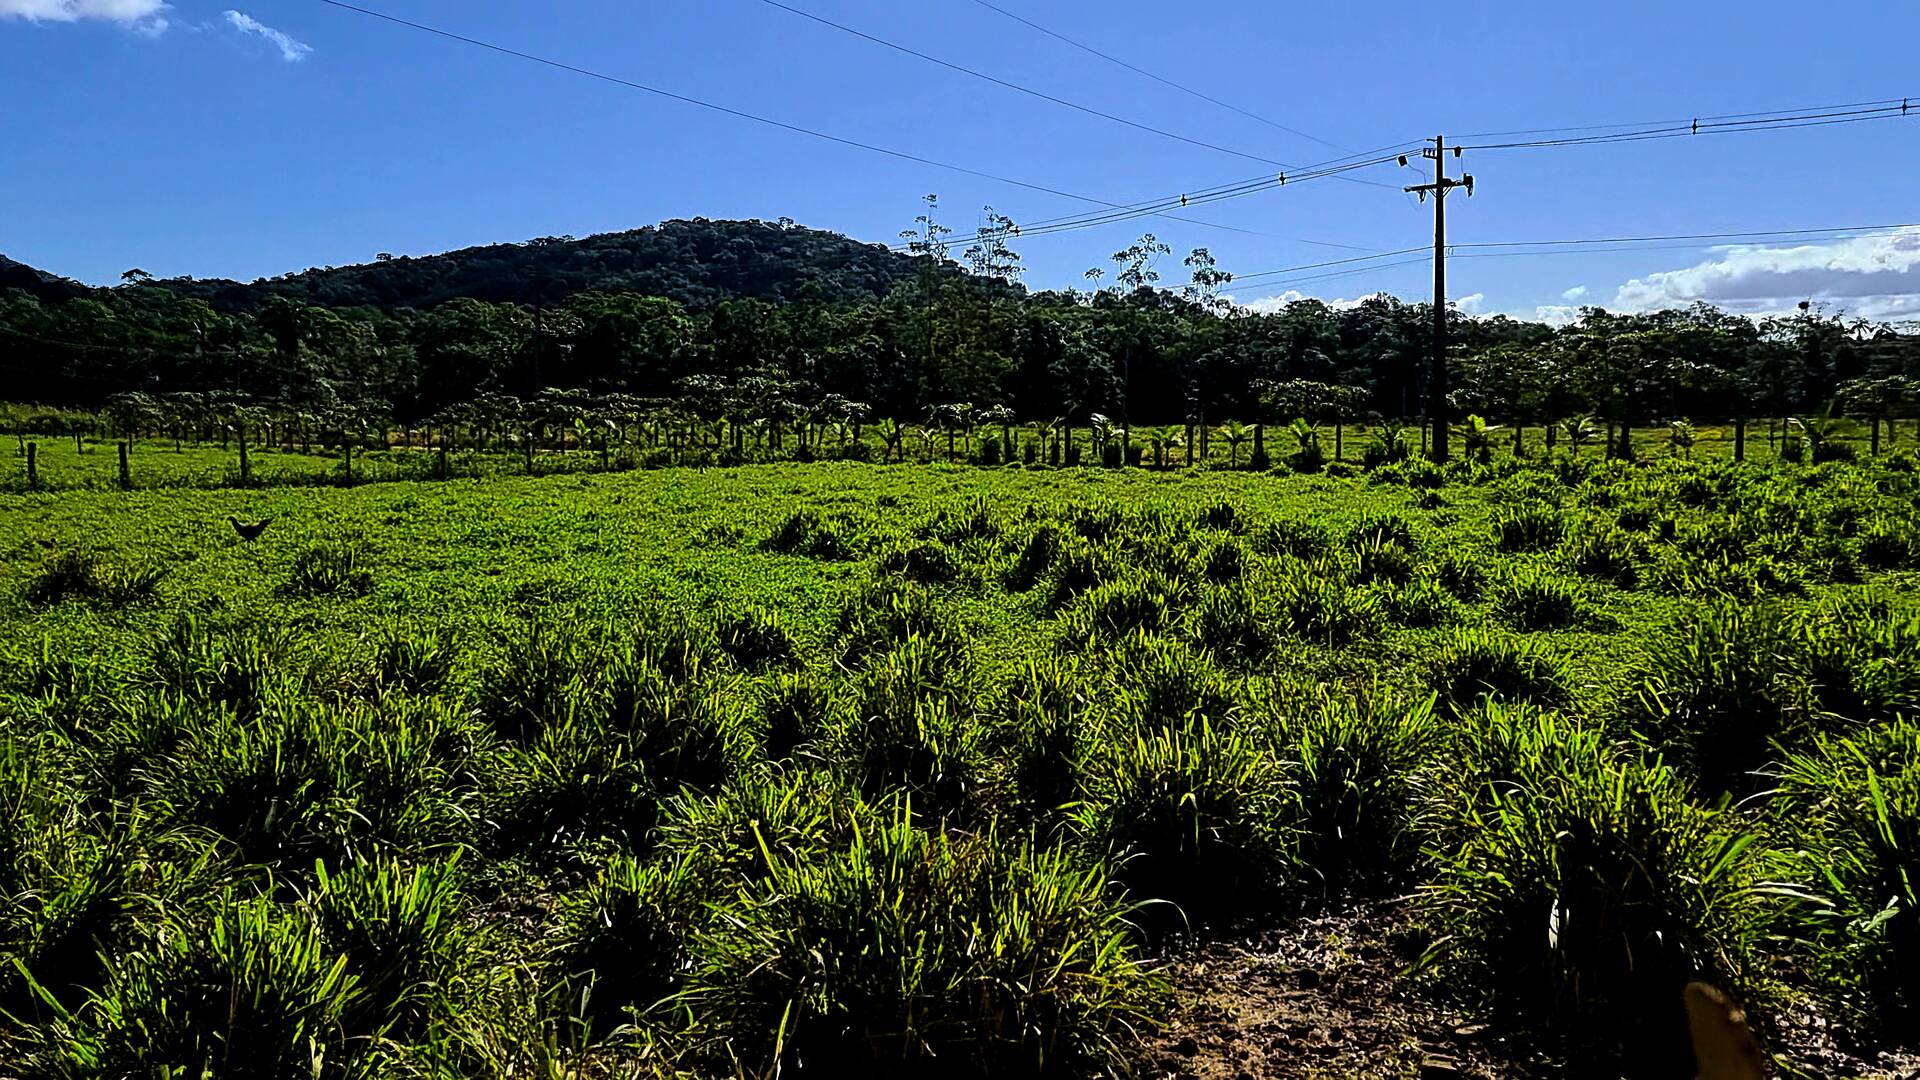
(1723, 1046)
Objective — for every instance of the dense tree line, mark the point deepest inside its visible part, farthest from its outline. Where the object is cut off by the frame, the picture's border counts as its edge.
(902, 336)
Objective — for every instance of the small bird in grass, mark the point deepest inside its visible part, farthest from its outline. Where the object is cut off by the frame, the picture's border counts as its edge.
(249, 530)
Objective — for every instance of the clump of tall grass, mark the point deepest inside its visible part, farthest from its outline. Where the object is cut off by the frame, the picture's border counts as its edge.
(757, 639)
(926, 562)
(1223, 516)
(1108, 613)
(1045, 734)
(1384, 529)
(1354, 763)
(1528, 528)
(910, 727)
(577, 779)
(1576, 894)
(80, 574)
(534, 676)
(1419, 601)
(809, 533)
(331, 569)
(236, 666)
(1315, 603)
(1226, 624)
(1858, 802)
(1536, 598)
(413, 662)
(1717, 692)
(254, 990)
(795, 709)
(403, 935)
(1158, 681)
(1462, 573)
(1891, 544)
(1476, 663)
(1035, 557)
(626, 940)
(1861, 657)
(1193, 814)
(1296, 537)
(907, 947)
(885, 613)
(1612, 555)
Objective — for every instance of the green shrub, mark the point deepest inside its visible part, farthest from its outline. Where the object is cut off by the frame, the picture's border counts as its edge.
(333, 569)
(1475, 664)
(1195, 815)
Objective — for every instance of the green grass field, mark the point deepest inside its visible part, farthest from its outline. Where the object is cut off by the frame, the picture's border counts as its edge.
(846, 768)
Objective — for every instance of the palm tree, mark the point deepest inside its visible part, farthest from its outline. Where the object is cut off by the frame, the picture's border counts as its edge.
(1476, 437)
(1236, 435)
(1579, 431)
(1162, 440)
(1003, 416)
(893, 433)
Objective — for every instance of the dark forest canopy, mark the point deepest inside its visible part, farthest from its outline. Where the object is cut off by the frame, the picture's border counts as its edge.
(750, 318)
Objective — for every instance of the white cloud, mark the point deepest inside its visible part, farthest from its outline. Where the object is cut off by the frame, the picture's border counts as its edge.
(291, 50)
(146, 16)
(1877, 277)
(1267, 305)
(1471, 304)
(1557, 314)
(1575, 293)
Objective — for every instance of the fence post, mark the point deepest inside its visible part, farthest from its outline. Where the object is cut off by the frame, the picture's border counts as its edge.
(126, 474)
(33, 466)
(1739, 440)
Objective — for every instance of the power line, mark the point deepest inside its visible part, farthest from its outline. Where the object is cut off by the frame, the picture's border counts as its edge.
(1888, 110)
(1163, 80)
(1029, 91)
(1688, 120)
(744, 115)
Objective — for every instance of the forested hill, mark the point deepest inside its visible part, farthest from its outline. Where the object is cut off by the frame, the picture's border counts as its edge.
(36, 283)
(697, 262)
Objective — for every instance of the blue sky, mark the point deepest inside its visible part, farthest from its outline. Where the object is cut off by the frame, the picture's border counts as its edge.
(195, 138)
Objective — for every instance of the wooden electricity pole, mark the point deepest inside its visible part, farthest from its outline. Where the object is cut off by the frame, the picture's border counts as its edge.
(1437, 411)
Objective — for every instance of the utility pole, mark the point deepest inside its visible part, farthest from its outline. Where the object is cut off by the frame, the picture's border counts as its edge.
(1437, 380)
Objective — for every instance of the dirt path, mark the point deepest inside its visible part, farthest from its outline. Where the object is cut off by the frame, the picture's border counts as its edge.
(1325, 998)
